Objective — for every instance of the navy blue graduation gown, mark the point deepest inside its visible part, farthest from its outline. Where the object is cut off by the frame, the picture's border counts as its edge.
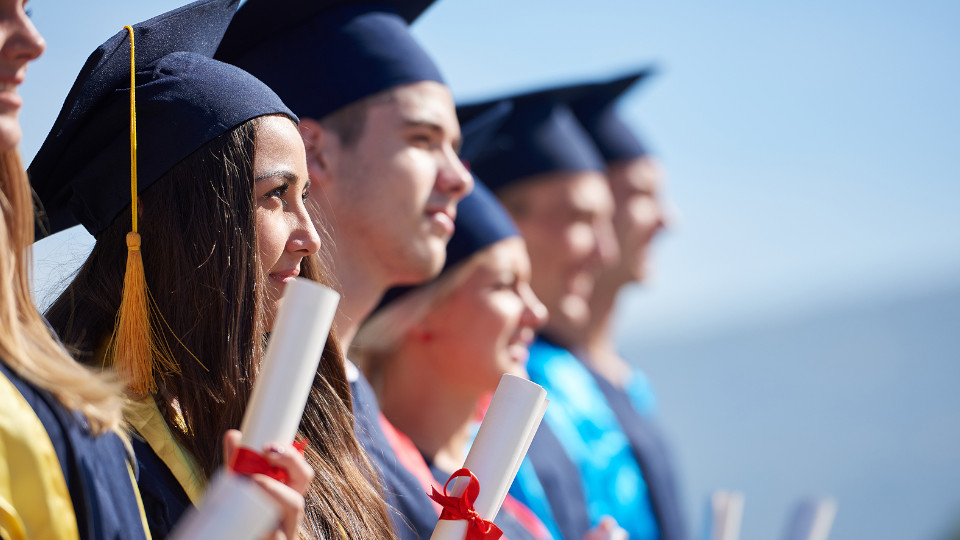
(412, 512)
(164, 501)
(94, 468)
(649, 447)
(561, 484)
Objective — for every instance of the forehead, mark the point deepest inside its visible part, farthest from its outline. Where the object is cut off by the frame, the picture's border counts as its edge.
(278, 143)
(426, 102)
(640, 174)
(586, 192)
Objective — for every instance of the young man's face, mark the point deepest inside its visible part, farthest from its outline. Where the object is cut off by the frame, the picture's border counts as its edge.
(639, 216)
(394, 191)
(565, 219)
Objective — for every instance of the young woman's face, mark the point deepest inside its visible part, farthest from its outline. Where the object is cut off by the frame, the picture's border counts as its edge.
(483, 329)
(19, 44)
(285, 233)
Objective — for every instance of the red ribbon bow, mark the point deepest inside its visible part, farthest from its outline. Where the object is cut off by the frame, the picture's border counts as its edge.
(457, 508)
(246, 461)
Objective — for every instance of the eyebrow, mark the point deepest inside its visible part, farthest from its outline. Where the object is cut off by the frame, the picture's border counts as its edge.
(432, 126)
(290, 176)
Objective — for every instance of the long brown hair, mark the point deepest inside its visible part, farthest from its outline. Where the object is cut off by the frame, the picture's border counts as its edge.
(198, 225)
(26, 343)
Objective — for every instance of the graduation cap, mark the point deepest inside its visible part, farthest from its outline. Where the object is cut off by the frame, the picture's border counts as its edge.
(112, 133)
(321, 55)
(481, 222)
(184, 99)
(596, 111)
(540, 135)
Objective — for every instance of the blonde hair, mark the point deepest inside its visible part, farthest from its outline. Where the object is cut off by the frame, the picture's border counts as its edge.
(383, 332)
(27, 345)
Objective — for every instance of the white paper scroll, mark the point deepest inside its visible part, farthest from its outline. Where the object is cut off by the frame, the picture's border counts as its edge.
(233, 508)
(726, 514)
(286, 375)
(501, 444)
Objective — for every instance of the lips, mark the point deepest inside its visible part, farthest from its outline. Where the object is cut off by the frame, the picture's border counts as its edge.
(8, 91)
(443, 220)
(285, 276)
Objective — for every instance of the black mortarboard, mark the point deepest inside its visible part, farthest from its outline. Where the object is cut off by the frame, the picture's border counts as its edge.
(321, 55)
(540, 135)
(596, 111)
(481, 222)
(184, 99)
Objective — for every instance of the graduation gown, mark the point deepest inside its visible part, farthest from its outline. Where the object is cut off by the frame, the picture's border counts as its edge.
(412, 512)
(57, 480)
(170, 480)
(592, 438)
(548, 483)
(651, 451)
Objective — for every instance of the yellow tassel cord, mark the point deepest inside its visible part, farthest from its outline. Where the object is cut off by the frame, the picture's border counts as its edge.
(134, 348)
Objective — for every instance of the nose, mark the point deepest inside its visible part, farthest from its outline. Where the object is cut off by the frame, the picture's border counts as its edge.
(24, 42)
(535, 314)
(453, 178)
(304, 239)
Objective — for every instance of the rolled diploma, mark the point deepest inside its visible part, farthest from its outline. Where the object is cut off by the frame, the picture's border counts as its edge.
(501, 443)
(233, 508)
(287, 372)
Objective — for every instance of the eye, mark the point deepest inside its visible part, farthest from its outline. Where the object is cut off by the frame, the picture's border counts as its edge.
(278, 193)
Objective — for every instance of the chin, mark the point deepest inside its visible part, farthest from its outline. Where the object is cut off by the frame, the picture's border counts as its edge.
(10, 133)
(572, 311)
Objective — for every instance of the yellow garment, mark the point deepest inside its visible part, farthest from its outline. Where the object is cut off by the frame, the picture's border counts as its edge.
(144, 417)
(34, 500)
(136, 491)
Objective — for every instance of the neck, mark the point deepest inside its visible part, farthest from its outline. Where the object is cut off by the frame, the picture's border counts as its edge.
(594, 343)
(436, 415)
(360, 290)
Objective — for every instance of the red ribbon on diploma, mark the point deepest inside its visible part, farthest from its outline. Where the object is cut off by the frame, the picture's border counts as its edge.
(461, 508)
(246, 461)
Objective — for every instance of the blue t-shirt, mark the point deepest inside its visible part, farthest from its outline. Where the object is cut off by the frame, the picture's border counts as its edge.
(591, 436)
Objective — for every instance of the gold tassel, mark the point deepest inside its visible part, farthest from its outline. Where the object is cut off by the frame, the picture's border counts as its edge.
(133, 339)
(133, 348)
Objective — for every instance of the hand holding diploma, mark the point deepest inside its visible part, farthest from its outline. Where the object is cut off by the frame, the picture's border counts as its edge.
(478, 490)
(268, 491)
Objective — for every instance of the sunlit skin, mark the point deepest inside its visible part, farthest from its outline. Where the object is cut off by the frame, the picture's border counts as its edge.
(285, 231)
(20, 42)
(471, 336)
(639, 218)
(566, 221)
(389, 200)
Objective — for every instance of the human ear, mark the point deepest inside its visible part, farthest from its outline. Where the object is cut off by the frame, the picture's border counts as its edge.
(316, 142)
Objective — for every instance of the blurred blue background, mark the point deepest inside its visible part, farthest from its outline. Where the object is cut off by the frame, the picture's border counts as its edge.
(802, 327)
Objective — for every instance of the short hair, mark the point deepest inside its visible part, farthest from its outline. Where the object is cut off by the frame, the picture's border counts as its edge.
(348, 122)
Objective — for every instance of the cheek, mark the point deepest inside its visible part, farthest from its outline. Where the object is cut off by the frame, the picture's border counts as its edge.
(418, 168)
(501, 315)
(579, 241)
(270, 237)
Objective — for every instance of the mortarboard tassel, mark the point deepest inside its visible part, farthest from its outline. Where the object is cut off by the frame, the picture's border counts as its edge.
(133, 347)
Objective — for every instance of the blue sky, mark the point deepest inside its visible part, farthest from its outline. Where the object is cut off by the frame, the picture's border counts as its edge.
(809, 145)
(811, 152)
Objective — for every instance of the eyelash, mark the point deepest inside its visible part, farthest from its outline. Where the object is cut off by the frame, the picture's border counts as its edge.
(281, 191)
